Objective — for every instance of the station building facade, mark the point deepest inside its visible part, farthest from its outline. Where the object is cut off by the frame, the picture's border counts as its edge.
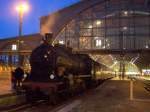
(9, 51)
(90, 24)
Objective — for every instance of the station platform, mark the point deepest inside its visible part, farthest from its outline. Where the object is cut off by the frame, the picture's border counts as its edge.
(113, 96)
(118, 78)
(8, 96)
(5, 82)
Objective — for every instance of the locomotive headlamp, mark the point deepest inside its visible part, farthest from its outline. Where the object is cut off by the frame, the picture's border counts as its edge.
(52, 76)
(45, 56)
(25, 75)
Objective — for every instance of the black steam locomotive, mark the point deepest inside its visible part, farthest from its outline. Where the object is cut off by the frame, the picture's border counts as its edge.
(56, 70)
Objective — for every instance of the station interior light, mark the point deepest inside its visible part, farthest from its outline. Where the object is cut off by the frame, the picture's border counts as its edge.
(98, 22)
(146, 47)
(125, 28)
(125, 13)
(90, 26)
(108, 45)
(61, 42)
(96, 37)
(104, 47)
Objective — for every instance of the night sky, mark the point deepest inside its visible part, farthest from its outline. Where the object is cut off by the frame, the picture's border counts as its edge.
(9, 20)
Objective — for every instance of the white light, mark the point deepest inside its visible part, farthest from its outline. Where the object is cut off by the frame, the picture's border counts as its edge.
(90, 26)
(14, 47)
(146, 71)
(98, 43)
(23, 7)
(61, 42)
(98, 22)
(25, 75)
(52, 76)
(125, 28)
(96, 37)
(115, 62)
(146, 47)
(125, 13)
(45, 56)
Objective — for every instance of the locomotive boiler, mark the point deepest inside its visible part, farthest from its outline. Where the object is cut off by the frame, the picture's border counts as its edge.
(48, 63)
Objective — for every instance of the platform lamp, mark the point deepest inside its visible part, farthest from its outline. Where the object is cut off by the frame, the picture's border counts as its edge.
(21, 9)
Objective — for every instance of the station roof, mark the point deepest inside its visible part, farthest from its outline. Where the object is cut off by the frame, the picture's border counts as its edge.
(56, 21)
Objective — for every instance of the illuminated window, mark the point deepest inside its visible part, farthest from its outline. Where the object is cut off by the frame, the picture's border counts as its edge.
(98, 43)
(14, 47)
(98, 22)
(61, 42)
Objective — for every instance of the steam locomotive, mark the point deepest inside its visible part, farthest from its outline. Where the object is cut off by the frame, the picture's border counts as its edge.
(56, 70)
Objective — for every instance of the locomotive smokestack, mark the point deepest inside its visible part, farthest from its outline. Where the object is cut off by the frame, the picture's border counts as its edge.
(48, 39)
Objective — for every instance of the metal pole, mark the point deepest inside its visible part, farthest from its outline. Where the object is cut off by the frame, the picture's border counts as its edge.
(131, 89)
(20, 34)
(20, 22)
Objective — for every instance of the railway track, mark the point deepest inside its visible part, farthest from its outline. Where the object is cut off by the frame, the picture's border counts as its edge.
(147, 85)
(144, 82)
(10, 101)
(64, 104)
(18, 107)
(23, 106)
(68, 104)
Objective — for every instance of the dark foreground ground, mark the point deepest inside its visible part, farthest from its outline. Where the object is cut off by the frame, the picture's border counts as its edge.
(111, 96)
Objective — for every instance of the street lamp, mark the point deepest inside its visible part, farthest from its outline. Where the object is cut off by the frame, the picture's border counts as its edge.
(21, 8)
